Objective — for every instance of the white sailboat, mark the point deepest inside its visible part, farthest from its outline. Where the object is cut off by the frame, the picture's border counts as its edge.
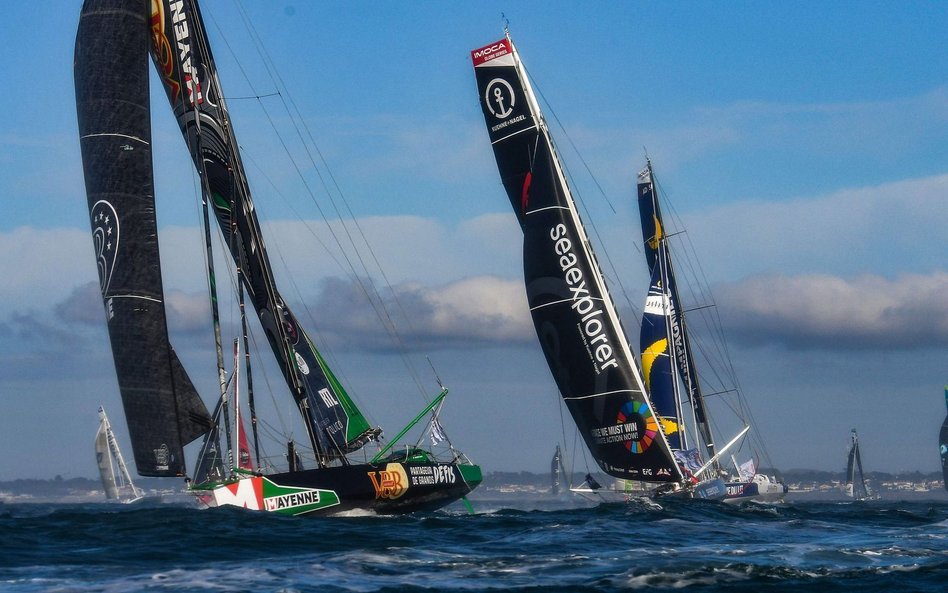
(116, 481)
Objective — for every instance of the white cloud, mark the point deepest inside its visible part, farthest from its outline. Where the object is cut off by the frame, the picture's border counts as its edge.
(470, 313)
(825, 312)
(885, 229)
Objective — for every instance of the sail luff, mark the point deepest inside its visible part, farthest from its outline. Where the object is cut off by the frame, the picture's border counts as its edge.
(163, 410)
(574, 315)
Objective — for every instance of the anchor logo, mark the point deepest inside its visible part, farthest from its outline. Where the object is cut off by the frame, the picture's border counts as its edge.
(500, 98)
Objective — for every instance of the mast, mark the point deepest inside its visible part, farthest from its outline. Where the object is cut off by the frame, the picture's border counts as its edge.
(182, 55)
(162, 408)
(657, 254)
(574, 315)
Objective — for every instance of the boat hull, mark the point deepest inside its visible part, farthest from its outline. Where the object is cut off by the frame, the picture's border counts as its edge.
(388, 488)
(738, 492)
(713, 489)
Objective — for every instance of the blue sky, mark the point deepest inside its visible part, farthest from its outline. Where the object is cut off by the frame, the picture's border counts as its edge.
(802, 145)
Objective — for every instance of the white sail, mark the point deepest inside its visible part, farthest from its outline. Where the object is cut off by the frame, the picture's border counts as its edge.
(116, 481)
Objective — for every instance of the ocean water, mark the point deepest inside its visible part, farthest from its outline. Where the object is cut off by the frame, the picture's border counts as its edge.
(542, 546)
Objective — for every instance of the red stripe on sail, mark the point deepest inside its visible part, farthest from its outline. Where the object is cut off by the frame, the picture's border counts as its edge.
(525, 192)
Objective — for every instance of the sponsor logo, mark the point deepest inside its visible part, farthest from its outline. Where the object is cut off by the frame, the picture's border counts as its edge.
(292, 500)
(708, 491)
(105, 239)
(490, 52)
(635, 427)
(500, 98)
(591, 327)
(735, 490)
(327, 397)
(430, 475)
(391, 482)
(162, 457)
(246, 493)
(165, 52)
(301, 365)
(260, 494)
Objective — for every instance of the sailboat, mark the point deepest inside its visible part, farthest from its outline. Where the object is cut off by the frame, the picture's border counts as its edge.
(943, 444)
(669, 367)
(856, 486)
(116, 481)
(331, 470)
(557, 472)
(575, 318)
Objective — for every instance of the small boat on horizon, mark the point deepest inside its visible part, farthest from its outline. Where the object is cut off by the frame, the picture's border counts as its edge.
(856, 486)
(116, 481)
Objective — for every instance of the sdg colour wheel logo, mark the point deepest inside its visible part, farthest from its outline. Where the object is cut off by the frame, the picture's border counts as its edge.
(639, 413)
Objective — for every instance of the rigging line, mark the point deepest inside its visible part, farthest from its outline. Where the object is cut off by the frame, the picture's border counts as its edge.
(715, 325)
(377, 303)
(244, 98)
(591, 221)
(330, 353)
(299, 216)
(287, 97)
(567, 136)
(234, 287)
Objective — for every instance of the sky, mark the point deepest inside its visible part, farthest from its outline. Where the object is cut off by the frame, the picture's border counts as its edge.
(802, 148)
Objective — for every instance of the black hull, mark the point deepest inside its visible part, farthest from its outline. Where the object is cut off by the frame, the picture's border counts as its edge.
(386, 488)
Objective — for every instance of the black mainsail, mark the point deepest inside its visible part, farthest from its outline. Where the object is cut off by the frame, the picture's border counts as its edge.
(162, 408)
(182, 55)
(855, 479)
(575, 318)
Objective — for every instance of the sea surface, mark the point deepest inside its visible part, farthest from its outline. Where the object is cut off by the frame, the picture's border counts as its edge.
(543, 545)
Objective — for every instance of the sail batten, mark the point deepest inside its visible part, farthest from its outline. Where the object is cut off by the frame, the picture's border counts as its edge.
(603, 394)
(581, 337)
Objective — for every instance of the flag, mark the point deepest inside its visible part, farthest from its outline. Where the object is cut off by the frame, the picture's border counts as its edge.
(747, 470)
(437, 432)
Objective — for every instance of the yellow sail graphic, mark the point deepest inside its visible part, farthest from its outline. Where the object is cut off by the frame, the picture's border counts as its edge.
(657, 237)
(648, 358)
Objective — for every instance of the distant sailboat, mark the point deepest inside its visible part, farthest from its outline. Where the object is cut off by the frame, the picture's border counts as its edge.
(856, 486)
(669, 368)
(116, 480)
(943, 444)
(557, 472)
